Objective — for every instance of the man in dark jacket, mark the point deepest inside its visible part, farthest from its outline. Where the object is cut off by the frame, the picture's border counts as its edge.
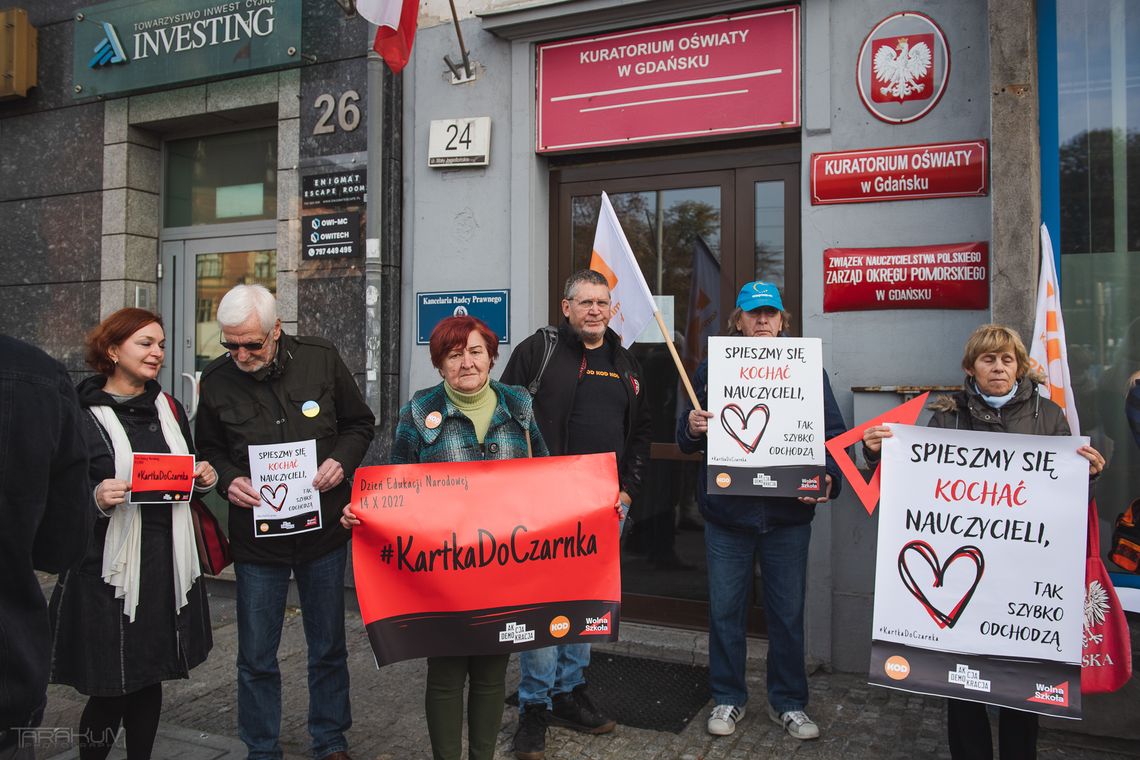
(588, 400)
(276, 388)
(47, 512)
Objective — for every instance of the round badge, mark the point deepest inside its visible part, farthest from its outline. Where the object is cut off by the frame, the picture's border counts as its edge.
(264, 527)
(723, 479)
(903, 67)
(559, 626)
(433, 420)
(310, 408)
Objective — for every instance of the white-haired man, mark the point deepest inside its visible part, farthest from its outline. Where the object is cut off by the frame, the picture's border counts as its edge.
(277, 388)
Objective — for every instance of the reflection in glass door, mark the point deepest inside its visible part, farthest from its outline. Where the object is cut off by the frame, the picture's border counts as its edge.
(201, 272)
(697, 237)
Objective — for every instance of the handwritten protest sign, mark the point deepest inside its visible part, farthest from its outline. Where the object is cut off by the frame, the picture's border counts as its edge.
(282, 473)
(979, 578)
(161, 478)
(766, 436)
(487, 557)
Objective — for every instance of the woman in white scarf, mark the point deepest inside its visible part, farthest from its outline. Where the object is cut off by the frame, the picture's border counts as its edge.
(133, 613)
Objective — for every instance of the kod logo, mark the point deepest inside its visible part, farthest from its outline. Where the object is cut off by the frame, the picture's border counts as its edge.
(559, 626)
(109, 50)
(897, 668)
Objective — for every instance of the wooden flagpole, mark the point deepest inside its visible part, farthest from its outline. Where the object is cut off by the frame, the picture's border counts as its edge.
(676, 359)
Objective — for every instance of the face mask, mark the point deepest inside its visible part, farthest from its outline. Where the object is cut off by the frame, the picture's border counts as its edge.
(997, 402)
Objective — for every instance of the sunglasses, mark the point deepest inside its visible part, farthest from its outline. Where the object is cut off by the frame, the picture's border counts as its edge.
(251, 346)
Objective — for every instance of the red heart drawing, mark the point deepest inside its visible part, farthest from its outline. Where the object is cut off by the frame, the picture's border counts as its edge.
(738, 414)
(924, 550)
(270, 497)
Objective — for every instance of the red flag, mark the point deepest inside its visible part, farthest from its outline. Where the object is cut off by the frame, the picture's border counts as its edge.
(396, 28)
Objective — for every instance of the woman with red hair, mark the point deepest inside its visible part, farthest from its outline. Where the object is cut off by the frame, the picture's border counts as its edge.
(467, 417)
(133, 612)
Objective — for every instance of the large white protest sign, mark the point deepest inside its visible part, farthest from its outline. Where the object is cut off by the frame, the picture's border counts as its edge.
(766, 436)
(282, 474)
(979, 576)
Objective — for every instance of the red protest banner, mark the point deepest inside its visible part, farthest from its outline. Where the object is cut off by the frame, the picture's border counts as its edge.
(488, 557)
(161, 478)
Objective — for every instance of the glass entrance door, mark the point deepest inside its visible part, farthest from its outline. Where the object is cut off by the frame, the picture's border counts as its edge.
(698, 236)
(196, 274)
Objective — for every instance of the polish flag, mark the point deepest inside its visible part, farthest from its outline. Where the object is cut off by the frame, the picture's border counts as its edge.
(632, 303)
(1048, 354)
(396, 28)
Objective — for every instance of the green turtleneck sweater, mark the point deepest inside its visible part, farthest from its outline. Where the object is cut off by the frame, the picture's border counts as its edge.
(478, 406)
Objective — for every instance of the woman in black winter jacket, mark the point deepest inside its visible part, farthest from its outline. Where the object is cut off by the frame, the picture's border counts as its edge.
(999, 395)
(133, 612)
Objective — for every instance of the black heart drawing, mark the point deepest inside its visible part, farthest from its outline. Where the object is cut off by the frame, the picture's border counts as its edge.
(270, 497)
(924, 550)
(738, 414)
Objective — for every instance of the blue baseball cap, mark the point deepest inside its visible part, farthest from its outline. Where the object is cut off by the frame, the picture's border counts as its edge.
(757, 294)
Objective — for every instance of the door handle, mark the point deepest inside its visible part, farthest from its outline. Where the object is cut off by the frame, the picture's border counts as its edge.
(193, 411)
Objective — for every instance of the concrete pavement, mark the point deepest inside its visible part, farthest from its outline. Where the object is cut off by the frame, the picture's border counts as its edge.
(199, 719)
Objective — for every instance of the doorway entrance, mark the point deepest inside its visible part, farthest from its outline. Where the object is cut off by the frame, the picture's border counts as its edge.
(700, 227)
(196, 272)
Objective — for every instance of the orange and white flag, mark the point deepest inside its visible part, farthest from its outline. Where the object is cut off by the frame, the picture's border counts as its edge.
(1048, 354)
(633, 305)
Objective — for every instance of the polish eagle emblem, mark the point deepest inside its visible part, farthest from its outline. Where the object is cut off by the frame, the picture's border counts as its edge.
(901, 68)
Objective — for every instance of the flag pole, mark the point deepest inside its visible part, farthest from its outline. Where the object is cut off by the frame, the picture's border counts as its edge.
(676, 359)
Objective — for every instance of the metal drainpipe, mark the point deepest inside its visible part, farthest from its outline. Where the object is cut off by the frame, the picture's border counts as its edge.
(382, 274)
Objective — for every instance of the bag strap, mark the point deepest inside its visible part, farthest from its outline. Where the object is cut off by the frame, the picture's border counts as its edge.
(173, 406)
(551, 335)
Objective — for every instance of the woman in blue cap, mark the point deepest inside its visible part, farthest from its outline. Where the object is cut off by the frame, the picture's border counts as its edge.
(743, 530)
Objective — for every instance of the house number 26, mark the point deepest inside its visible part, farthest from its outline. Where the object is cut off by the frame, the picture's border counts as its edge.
(347, 112)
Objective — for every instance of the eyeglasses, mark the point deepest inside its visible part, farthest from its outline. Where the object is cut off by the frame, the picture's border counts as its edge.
(589, 303)
(251, 346)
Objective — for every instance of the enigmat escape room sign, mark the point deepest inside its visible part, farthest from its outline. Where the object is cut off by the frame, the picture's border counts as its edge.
(461, 559)
(980, 571)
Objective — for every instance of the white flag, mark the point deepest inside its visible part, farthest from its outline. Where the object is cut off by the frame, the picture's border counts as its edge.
(633, 305)
(381, 12)
(1048, 353)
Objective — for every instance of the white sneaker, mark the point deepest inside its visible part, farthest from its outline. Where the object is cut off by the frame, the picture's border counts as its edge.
(796, 723)
(723, 720)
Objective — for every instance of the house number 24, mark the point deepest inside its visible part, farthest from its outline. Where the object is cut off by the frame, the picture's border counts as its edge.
(345, 108)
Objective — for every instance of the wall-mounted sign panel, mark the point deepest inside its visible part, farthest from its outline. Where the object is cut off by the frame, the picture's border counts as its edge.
(460, 142)
(693, 79)
(912, 172)
(127, 45)
(330, 235)
(333, 188)
(954, 276)
(491, 306)
(903, 67)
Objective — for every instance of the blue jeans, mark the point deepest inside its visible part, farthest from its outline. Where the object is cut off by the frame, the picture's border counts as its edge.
(555, 670)
(261, 592)
(551, 670)
(783, 555)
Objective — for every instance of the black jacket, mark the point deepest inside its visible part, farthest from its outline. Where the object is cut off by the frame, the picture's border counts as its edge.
(46, 510)
(555, 398)
(95, 648)
(237, 409)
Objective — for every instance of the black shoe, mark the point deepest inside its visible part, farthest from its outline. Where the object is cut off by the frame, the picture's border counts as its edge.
(530, 739)
(576, 711)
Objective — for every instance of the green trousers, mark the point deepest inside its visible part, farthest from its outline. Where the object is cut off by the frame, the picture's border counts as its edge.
(443, 702)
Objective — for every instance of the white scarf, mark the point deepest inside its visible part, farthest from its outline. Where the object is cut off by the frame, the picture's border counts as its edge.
(123, 544)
